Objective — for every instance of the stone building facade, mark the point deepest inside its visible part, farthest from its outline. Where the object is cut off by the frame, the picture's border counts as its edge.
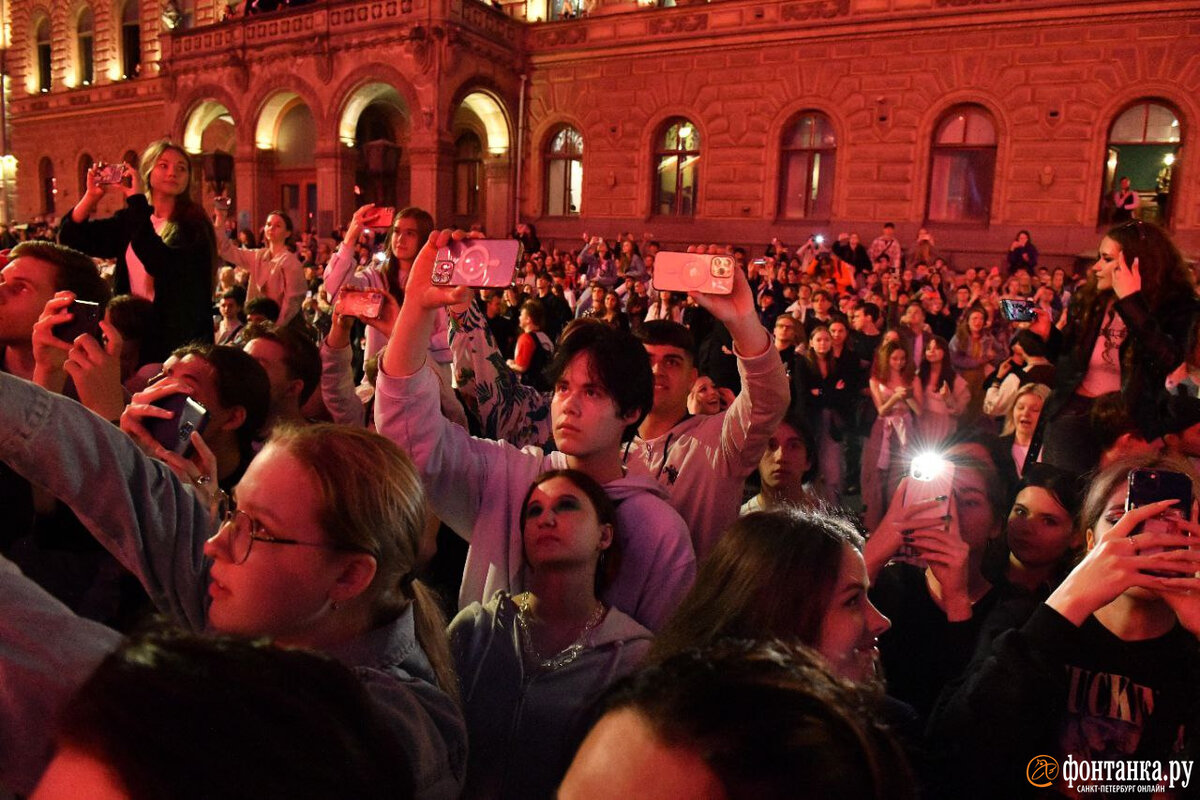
(730, 120)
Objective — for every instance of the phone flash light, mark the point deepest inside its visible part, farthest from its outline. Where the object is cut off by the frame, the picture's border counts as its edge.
(927, 466)
(819, 239)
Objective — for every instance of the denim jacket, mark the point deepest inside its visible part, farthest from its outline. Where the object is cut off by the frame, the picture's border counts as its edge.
(156, 526)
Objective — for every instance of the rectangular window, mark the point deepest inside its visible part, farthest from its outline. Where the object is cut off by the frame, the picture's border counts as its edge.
(960, 186)
(87, 61)
(43, 58)
(131, 50)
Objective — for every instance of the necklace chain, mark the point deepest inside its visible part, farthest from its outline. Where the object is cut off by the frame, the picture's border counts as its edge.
(566, 655)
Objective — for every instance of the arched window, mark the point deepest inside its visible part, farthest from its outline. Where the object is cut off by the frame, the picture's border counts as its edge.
(1143, 146)
(86, 54)
(564, 173)
(85, 163)
(677, 169)
(48, 183)
(468, 174)
(43, 54)
(963, 167)
(806, 174)
(131, 40)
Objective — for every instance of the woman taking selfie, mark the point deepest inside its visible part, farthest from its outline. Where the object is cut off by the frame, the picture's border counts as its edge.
(1107, 667)
(164, 244)
(529, 664)
(321, 552)
(1126, 330)
(274, 270)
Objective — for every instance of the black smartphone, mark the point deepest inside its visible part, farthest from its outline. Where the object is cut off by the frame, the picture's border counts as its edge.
(85, 318)
(175, 433)
(1018, 310)
(1148, 485)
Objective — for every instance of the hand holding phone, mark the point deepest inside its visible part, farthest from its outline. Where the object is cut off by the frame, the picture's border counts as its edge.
(109, 174)
(693, 272)
(379, 218)
(362, 303)
(85, 318)
(477, 262)
(174, 433)
(1018, 310)
(1149, 485)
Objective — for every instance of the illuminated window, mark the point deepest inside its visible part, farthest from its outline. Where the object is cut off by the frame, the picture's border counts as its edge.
(963, 167)
(564, 173)
(806, 174)
(43, 53)
(131, 40)
(85, 73)
(1143, 145)
(677, 169)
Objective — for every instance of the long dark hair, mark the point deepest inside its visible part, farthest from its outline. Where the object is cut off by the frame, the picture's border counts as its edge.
(946, 372)
(1164, 276)
(392, 264)
(290, 241)
(188, 225)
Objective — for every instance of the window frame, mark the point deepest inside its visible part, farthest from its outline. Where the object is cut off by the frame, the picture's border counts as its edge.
(940, 148)
(680, 154)
(815, 154)
(568, 155)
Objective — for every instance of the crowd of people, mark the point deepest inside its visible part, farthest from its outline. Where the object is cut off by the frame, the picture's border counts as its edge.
(861, 526)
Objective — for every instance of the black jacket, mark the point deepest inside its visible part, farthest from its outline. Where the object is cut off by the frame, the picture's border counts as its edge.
(183, 272)
(1153, 347)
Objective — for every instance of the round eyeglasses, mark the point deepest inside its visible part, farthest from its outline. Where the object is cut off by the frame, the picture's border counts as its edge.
(244, 530)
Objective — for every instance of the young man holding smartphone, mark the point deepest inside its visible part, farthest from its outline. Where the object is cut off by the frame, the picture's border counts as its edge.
(602, 389)
(702, 461)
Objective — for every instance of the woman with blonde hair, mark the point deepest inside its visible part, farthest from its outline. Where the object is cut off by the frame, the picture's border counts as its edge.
(1022, 422)
(163, 242)
(321, 551)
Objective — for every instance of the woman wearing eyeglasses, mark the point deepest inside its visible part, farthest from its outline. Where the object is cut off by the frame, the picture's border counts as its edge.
(321, 553)
(1126, 331)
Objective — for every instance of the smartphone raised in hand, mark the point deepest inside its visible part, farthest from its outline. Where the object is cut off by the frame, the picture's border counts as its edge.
(1018, 310)
(175, 433)
(1150, 485)
(930, 477)
(85, 318)
(693, 272)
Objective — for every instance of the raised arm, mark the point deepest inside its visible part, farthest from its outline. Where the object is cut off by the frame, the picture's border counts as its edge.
(455, 467)
(134, 505)
(760, 405)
